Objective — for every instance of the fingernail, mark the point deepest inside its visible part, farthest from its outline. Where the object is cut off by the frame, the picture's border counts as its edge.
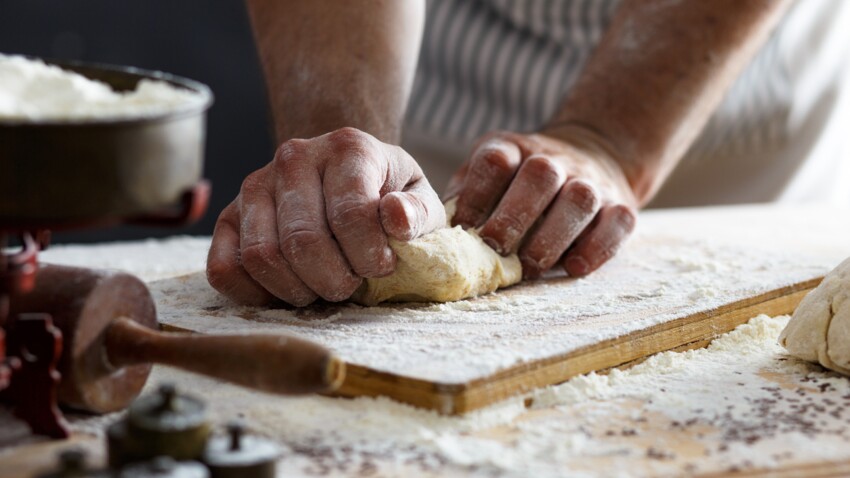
(411, 215)
(493, 244)
(576, 265)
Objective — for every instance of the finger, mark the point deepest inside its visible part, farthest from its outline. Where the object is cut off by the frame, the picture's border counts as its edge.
(535, 186)
(570, 214)
(606, 234)
(352, 187)
(261, 254)
(224, 272)
(413, 212)
(491, 168)
(305, 237)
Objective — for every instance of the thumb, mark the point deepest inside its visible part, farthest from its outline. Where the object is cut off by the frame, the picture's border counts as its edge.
(411, 213)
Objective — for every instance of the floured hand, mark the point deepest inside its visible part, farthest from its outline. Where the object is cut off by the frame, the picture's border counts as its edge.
(553, 201)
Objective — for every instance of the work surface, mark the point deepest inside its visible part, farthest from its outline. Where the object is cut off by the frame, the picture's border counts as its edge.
(682, 279)
(741, 404)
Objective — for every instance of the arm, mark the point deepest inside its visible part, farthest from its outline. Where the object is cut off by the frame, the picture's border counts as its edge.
(331, 64)
(568, 194)
(317, 218)
(658, 74)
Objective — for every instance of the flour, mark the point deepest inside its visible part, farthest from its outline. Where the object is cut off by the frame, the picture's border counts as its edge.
(470, 339)
(738, 404)
(31, 90)
(652, 280)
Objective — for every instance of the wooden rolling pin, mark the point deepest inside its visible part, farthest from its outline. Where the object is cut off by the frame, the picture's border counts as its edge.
(109, 328)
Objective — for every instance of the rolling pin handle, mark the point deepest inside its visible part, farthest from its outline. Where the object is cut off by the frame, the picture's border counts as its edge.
(271, 363)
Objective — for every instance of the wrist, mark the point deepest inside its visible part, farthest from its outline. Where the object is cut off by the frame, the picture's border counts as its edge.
(310, 119)
(639, 175)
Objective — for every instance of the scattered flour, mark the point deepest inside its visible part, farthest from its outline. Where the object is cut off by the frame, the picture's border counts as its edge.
(31, 90)
(469, 339)
(739, 404)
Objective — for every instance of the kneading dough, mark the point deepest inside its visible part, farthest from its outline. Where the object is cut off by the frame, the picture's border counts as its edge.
(442, 266)
(819, 330)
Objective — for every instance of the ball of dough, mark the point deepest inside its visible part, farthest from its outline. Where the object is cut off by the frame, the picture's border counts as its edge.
(819, 330)
(443, 266)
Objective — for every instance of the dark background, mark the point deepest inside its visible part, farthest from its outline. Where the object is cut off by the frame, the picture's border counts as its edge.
(209, 41)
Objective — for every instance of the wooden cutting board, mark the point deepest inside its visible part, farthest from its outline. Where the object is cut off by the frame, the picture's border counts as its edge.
(685, 277)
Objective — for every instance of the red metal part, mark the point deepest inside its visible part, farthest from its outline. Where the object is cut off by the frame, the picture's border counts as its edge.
(32, 392)
(192, 206)
(30, 347)
(17, 271)
(8, 365)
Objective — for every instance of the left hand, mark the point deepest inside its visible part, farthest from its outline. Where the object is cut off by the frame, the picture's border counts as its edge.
(554, 201)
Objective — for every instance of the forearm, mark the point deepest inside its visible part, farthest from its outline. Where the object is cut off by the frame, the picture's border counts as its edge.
(331, 64)
(657, 75)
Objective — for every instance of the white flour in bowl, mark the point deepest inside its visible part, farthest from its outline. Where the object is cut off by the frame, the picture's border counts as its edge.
(31, 90)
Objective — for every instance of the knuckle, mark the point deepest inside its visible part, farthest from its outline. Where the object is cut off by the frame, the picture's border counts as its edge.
(218, 275)
(253, 181)
(292, 149)
(495, 160)
(625, 216)
(296, 239)
(348, 138)
(259, 257)
(290, 153)
(512, 224)
(582, 195)
(543, 171)
(347, 215)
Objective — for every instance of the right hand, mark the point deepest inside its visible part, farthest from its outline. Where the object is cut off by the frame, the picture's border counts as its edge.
(315, 221)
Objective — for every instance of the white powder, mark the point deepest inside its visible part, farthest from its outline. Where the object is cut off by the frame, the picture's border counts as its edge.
(740, 403)
(31, 90)
(676, 265)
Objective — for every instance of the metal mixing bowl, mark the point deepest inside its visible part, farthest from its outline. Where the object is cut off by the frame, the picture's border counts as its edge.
(61, 174)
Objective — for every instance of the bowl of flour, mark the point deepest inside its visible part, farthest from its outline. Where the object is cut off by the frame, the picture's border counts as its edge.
(86, 143)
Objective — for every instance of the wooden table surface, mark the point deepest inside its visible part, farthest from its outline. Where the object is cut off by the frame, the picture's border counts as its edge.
(621, 435)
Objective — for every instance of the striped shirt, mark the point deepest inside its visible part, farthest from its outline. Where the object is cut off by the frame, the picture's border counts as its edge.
(504, 64)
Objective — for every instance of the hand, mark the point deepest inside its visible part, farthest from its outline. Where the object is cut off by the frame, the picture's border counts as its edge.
(315, 221)
(554, 201)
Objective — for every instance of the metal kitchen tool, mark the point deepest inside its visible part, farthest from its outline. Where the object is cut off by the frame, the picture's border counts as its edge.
(239, 455)
(165, 423)
(165, 467)
(72, 464)
(72, 174)
(99, 329)
(61, 174)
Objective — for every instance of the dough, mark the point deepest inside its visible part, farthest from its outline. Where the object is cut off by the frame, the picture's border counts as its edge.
(443, 266)
(819, 330)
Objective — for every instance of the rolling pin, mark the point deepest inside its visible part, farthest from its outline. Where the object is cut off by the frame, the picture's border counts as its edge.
(109, 328)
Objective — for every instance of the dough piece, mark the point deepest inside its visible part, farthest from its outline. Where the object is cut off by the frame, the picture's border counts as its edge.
(443, 266)
(819, 330)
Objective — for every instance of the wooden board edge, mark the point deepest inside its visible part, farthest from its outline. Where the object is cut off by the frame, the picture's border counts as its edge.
(826, 469)
(364, 381)
(688, 332)
(625, 352)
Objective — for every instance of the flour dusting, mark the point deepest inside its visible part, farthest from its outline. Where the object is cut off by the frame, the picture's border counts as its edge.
(31, 90)
(739, 404)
